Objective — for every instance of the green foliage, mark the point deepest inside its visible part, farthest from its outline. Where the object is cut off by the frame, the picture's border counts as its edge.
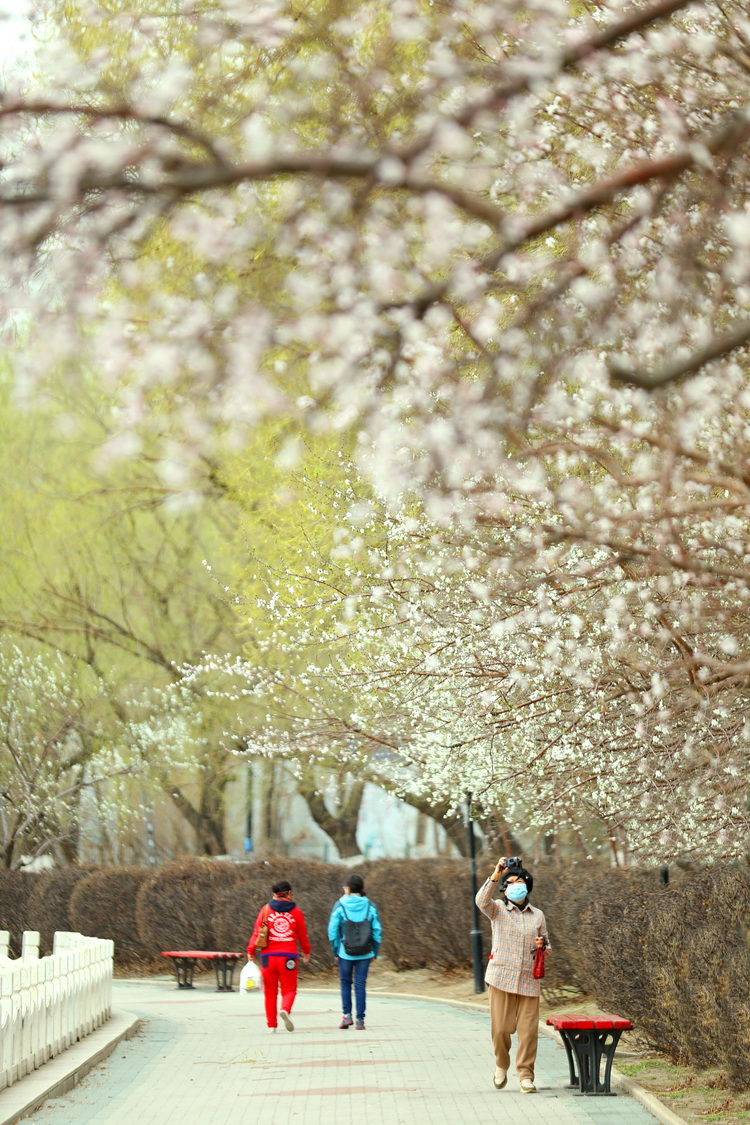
(119, 587)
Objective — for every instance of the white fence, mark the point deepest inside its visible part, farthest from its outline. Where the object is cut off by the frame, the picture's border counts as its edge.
(49, 1003)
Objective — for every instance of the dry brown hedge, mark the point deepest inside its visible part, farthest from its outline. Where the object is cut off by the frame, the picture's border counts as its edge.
(16, 888)
(565, 898)
(175, 907)
(676, 962)
(316, 887)
(425, 908)
(50, 900)
(104, 904)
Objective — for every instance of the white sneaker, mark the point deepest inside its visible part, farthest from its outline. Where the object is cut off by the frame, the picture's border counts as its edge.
(527, 1086)
(286, 1019)
(501, 1078)
(271, 1030)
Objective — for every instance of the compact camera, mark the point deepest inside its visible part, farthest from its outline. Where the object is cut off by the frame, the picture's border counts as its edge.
(513, 863)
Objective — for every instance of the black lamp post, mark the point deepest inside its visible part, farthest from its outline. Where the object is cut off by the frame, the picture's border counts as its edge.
(477, 956)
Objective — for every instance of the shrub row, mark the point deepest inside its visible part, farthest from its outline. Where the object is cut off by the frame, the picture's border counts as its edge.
(195, 904)
(675, 960)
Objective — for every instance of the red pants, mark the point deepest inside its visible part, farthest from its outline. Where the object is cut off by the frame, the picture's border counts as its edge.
(276, 975)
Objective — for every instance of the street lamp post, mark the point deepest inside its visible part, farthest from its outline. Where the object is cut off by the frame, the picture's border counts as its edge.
(477, 956)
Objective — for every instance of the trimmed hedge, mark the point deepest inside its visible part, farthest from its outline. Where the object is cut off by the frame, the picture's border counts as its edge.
(104, 905)
(175, 906)
(16, 888)
(315, 886)
(50, 900)
(566, 898)
(426, 910)
(676, 961)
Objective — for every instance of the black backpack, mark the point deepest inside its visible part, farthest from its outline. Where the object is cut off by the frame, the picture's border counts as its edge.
(357, 936)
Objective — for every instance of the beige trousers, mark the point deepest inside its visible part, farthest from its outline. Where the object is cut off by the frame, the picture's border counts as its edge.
(509, 1013)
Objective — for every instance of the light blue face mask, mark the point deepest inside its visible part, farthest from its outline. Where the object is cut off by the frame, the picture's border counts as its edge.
(516, 892)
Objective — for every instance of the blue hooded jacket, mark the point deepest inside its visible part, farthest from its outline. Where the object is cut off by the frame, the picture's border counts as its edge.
(358, 907)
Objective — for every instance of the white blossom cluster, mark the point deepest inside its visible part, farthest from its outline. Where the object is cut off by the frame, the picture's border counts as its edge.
(425, 223)
(563, 665)
(62, 752)
(507, 247)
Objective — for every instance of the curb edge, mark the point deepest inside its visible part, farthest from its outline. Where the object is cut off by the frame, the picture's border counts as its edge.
(637, 1092)
(69, 1067)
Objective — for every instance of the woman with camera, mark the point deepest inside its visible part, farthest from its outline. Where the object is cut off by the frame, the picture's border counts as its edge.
(518, 931)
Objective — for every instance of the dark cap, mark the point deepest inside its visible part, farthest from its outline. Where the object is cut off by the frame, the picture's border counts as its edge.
(520, 873)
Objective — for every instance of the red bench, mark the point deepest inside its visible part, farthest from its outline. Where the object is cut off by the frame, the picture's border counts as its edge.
(588, 1040)
(185, 960)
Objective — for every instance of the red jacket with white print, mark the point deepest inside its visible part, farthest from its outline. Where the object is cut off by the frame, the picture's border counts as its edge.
(286, 928)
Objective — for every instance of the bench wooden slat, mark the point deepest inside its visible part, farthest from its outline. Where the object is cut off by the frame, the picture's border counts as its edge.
(200, 954)
(579, 1022)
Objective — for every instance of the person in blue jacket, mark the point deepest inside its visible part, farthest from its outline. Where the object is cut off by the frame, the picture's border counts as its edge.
(354, 932)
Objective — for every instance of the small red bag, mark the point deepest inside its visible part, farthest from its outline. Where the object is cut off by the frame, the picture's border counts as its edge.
(538, 970)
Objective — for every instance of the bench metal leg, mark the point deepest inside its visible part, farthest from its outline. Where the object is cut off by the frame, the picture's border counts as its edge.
(224, 973)
(573, 1084)
(588, 1048)
(184, 968)
(608, 1050)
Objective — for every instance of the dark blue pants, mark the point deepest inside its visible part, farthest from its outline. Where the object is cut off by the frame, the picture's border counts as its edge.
(358, 970)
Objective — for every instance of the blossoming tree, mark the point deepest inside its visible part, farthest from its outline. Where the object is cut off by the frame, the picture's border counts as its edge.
(506, 248)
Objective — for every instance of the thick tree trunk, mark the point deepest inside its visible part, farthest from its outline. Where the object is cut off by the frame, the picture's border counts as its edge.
(6, 855)
(341, 826)
(499, 835)
(207, 822)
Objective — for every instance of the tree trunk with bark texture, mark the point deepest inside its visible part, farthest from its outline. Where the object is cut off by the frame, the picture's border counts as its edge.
(207, 821)
(341, 825)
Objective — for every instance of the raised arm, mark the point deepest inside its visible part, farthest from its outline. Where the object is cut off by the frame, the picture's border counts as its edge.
(484, 899)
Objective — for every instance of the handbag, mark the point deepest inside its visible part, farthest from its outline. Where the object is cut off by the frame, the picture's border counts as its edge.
(538, 970)
(262, 939)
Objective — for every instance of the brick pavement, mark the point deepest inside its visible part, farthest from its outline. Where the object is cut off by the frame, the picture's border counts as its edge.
(205, 1057)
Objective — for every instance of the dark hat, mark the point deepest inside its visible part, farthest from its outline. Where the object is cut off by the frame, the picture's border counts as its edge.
(521, 873)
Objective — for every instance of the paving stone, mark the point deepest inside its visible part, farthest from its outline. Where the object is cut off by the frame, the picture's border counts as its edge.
(206, 1057)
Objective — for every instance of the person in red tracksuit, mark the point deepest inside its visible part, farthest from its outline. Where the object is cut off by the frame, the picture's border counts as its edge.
(278, 961)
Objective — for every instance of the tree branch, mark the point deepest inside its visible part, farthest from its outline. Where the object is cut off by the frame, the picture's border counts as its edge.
(681, 369)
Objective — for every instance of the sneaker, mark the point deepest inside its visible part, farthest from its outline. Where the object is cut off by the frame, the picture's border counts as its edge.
(271, 1030)
(500, 1081)
(346, 1021)
(527, 1086)
(286, 1020)
(360, 1024)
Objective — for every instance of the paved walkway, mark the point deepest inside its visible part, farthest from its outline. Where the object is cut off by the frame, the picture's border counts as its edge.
(205, 1058)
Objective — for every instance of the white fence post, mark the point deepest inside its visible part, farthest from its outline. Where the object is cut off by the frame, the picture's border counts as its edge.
(49, 1003)
(6, 1030)
(16, 1026)
(25, 998)
(30, 946)
(4, 943)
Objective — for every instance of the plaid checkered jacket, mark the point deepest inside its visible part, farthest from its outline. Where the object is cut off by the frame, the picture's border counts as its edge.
(513, 946)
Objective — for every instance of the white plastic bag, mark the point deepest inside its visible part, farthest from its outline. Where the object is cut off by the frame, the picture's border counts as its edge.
(250, 978)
